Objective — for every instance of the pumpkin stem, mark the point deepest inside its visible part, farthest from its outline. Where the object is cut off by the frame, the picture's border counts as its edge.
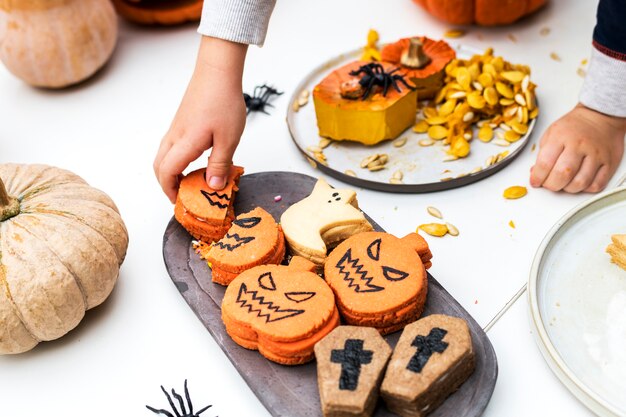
(9, 206)
(415, 57)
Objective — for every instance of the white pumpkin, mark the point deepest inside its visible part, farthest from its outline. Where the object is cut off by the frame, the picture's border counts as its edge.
(56, 43)
(61, 245)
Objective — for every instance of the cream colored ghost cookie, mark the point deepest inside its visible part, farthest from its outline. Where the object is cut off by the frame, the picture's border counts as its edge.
(321, 220)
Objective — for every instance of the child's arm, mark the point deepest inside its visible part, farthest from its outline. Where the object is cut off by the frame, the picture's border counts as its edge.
(582, 150)
(212, 114)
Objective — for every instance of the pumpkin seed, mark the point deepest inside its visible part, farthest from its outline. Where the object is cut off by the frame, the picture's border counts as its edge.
(506, 101)
(426, 142)
(504, 127)
(467, 136)
(512, 37)
(491, 96)
(434, 229)
(520, 128)
(485, 79)
(467, 117)
(584, 61)
(519, 99)
(555, 56)
(395, 181)
(477, 86)
(420, 127)
(312, 163)
(437, 132)
(545, 31)
(434, 211)
(581, 72)
(458, 94)
(525, 83)
(454, 33)
(430, 112)
(383, 158)
(446, 179)
(500, 142)
(450, 158)
(314, 149)
(513, 76)
(485, 133)
(295, 106)
(532, 148)
(511, 224)
(476, 100)
(515, 192)
(447, 108)
(365, 162)
(437, 120)
(376, 168)
(476, 170)
(504, 90)
(398, 175)
(491, 160)
(398, 143)
(511, 136)
(350, 172)
(452, 229)
(324, 143)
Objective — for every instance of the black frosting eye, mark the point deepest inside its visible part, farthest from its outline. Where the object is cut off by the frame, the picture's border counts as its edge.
(248, 222)
(393, 274)
(335, 194)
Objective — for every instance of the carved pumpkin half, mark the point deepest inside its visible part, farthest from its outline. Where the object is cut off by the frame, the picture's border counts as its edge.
(428, 79)
(159, 12)
(378, 279)
(280, 310)
(482, 12)
(61, 245)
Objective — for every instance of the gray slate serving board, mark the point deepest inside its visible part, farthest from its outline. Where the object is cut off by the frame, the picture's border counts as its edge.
(290, 391)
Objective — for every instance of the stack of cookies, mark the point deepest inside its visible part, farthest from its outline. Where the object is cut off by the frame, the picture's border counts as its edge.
(433, 357)
(379, 280)
(322, 220)
(254, 239)
(617, 250)
(280, 310)
(205, 213)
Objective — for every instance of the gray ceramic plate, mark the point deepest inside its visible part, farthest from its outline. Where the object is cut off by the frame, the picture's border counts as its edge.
(578, 303)
(423, 167)
(289, 391)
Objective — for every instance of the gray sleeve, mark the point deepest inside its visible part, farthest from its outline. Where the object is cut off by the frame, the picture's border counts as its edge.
(241, 21)
(605, 84)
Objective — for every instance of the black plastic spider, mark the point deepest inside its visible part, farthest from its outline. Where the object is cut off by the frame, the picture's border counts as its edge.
(260, 98)
(375, 75)
(183, 410)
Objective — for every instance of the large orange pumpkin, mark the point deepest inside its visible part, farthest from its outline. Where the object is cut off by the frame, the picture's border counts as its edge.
(482, 12)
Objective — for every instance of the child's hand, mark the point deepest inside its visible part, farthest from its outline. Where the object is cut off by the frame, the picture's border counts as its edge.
(212, 114)
(579, 152)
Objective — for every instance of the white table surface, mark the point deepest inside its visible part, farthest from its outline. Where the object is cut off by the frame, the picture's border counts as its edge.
(108, 130)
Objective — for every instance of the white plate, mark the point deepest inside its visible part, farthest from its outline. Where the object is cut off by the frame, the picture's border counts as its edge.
(423, 167)
(578, 303)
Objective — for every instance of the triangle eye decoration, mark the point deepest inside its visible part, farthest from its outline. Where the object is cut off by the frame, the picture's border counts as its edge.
(299, 296)
(248, 222)
(266, 281)
(393, 274)
(373, 250)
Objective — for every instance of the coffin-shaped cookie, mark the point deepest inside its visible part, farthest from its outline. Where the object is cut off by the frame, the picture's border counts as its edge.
(350, 365)
(432, 359)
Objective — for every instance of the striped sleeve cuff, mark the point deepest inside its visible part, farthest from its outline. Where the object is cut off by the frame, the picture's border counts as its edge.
(241, 21)
(604, 89)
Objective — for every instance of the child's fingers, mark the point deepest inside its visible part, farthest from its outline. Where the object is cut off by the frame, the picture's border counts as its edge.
(172, 166)
(548, 155)
(600, 180)
(220, 161)
(563, 171)
(164, 147)
(584, 177)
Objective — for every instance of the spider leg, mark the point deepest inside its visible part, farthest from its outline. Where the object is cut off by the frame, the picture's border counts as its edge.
(155, 411)
(189, 404)
(394, 70)
(386, 86)
(368, 89)
(169, 399)
(400, 78)
(180, 401)
(203, 410)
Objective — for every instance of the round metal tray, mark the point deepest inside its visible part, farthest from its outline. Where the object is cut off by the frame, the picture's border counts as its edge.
(423, 167)
(577, 303)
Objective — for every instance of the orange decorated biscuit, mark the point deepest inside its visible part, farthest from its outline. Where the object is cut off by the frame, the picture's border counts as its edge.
(253, 239)
(378, 279)
(280, 310)
(206, 213)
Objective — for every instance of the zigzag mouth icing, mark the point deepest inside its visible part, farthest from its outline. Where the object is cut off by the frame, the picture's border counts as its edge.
(353, 271)
(256, 305)
(216, 199)
(222, 244)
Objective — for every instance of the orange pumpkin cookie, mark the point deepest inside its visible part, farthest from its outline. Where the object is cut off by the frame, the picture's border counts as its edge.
(369, 119)
(280, 310)
(159, 12)
(322, 219)
(378, 279)
(254, 239)
(424, 61)
(205, 213)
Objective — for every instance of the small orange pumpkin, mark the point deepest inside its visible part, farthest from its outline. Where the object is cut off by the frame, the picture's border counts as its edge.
(159, 12)
(482, 12)
(427, 79)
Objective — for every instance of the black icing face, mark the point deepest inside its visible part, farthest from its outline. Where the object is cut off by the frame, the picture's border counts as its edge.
(242, 233)
(359, 272)
(216, 199)
(351, 358)
(335, 197)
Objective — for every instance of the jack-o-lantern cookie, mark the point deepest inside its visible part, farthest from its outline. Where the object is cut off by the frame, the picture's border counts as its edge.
(379, 280)
(321, 220)
(253, 239)
(206, 213)
(280, 310)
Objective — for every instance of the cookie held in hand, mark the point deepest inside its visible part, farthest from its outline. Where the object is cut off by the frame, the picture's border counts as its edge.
(433, 357)
(324, 218)
(280, 310)
(205, 213)
(350, 364)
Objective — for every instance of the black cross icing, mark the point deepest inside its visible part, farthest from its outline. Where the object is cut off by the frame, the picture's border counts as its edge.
(426, 346)
(351, 358)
